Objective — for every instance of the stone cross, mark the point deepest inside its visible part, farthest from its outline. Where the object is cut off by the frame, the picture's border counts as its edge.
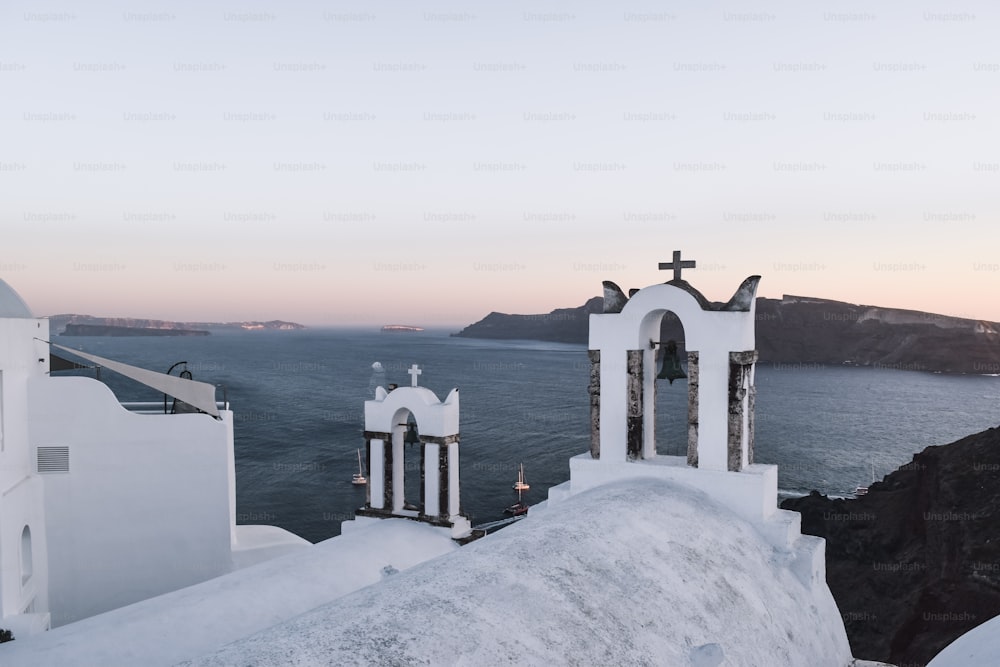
(677, 265)
(414, 372)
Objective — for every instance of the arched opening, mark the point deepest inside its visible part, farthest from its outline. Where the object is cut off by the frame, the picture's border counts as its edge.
(26, 563)
(671, 391)
(407, 464)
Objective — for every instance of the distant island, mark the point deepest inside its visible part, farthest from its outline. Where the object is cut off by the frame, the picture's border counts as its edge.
(89, 325)
(107, 330)
(799, 330)
(400, 328)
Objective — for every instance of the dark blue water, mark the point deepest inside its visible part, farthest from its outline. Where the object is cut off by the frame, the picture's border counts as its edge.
(298, 400)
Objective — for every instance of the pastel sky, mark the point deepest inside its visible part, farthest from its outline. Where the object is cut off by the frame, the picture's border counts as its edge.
(428, 162)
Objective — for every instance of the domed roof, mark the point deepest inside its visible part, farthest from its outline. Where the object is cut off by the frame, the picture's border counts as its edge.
(643, 572)
(11, 303)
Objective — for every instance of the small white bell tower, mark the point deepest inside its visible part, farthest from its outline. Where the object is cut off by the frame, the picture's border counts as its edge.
(435, 428)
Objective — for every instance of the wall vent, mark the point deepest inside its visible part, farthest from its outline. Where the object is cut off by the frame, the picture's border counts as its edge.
(53, 459)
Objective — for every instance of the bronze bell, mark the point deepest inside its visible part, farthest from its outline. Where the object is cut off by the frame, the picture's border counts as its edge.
(671, 368)
(411, 437)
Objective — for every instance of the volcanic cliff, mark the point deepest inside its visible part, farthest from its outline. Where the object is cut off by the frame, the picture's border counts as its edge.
(915, 563)
(797, 329)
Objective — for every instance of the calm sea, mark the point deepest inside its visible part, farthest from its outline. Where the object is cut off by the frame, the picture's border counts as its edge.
(298, 399)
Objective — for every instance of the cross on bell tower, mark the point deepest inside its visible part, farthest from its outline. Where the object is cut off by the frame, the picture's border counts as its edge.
(677, 265)
(414, 372)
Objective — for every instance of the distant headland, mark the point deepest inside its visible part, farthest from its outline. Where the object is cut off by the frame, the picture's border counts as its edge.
(805, 330)
(89, 325)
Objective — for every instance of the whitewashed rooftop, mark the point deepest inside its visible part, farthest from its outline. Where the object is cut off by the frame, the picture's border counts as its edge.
(637, 572)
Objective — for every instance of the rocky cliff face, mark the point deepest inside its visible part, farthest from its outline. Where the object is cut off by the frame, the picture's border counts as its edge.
(563, 325)
(806, 330)
(915, 563)
(800, 329)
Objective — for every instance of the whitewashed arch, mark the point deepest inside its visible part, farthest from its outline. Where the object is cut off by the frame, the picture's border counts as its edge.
(438, 429)
(717, 337)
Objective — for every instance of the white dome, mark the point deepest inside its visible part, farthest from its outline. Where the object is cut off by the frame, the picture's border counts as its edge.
(978, 646)
(11, 303)
(639, 572)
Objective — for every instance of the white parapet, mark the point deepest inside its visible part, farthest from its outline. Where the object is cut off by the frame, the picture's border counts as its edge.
(752, 493)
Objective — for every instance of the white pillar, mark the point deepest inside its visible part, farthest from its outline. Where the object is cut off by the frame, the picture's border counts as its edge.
(453, 495)
(376, 474)
(398, 469)
(614, 425)
(649, 404)
(432, 492)
(745, 430)
(713, 409)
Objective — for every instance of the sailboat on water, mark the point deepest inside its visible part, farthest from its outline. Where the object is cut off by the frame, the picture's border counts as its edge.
(520, 484)
(520, 507)
(359, 477)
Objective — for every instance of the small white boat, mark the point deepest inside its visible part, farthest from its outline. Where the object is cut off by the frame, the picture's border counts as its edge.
(520, 484)
(863, 490)
(359, 476)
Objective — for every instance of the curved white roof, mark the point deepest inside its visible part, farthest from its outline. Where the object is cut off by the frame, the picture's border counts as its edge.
(11, 303)
(978, 646)
(643, 572)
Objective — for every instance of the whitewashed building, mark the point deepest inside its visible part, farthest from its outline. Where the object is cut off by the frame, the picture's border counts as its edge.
(24, 581)
(101, 507)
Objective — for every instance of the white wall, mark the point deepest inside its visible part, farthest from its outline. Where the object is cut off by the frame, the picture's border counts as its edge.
(146, 507)
(22, 506)
(20, 489)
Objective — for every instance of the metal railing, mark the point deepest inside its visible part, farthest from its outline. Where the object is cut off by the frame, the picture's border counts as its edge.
(156, 407)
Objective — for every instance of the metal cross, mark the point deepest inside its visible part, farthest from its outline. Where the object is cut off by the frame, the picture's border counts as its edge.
(677, 265)
(414, 372)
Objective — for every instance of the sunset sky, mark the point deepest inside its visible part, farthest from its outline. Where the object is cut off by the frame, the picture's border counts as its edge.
(427, 163)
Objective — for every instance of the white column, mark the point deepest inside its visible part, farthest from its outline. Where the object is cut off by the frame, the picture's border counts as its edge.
(745, 430)
(376, 474)
(713, 409)
(649, 372)
(398, 469)
(614, 380)
(432, 499)
(453, 495)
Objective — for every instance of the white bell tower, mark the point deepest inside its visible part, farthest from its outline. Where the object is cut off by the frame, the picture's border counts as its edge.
(388, 431)
(721, 362)
(719, 339)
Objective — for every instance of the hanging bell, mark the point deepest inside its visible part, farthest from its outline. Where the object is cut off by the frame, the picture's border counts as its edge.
(671, 368)
(411, 437)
